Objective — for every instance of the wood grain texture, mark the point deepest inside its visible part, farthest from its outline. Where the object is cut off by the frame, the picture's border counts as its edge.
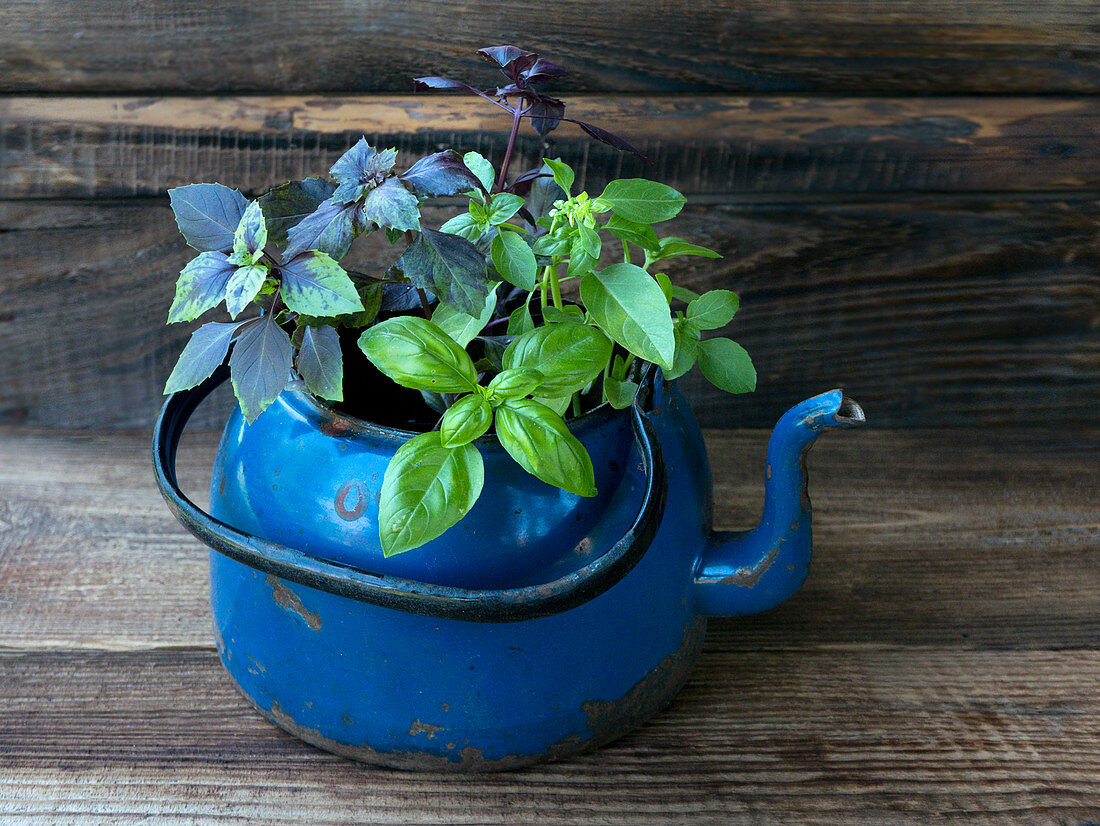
(113, 147)
(870, 46)
(932, 312)
(934, 538)
(855, 737)
(940, 667)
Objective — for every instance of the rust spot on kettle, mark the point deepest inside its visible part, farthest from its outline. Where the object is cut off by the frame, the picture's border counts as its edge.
(290, 601)
(424, 728)
(749, 576)
(350, 502)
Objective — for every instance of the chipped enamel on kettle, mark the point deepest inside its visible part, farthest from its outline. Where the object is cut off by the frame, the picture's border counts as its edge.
(540, 626)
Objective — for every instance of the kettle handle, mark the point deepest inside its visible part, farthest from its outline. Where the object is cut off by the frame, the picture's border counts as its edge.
(489, 605)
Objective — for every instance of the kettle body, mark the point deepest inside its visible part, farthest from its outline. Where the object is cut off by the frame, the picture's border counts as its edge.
(523, 676)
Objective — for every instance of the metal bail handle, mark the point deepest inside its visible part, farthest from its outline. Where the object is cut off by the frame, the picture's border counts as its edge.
(505, 605)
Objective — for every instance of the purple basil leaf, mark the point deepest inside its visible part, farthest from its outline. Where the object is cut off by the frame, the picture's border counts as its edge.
(522, 184)
(391, 205)
(422, 83)
(314, 284)
(544, 192)
(207, 215)
(330, 229)
(541, 71)
(448, 266)
(443, 173)
(397, 298)
(201, 285)
(546, 113)
(321, 363)
(260, 365)
(604, 136)
(204, 352)
(286, 205)
(511, 59)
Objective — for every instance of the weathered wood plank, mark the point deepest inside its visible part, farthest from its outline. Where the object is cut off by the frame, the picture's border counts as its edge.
(105, 147)
(933, 312)
(956, 539)
(862, 736)
(929, 46)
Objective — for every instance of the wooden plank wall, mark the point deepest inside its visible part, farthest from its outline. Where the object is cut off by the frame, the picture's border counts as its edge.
(905, 191)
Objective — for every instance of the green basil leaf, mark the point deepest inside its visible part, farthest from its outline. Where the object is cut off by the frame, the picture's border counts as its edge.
(563, 175)
(636, 233)
(631, 308)
(559, 404)
(642, 201)
(514, 383)
(321, 362)
(589, 240)
(465, 420)
(520, 320)
(201, 286)
(687, 343)
(314, 284)
(670, 247)
(481, 168)
(619, 393)
(552, 245)
(569, 356)
(514, 260)
(684, 294)
(427, 489)
(460, 326)
(503, 207)
(260, 365)
(417, 354)
(464, 225)
(713, 309)
(204, 352)
(537, 438)
(569, 314)
(726, 365)
(666, 285)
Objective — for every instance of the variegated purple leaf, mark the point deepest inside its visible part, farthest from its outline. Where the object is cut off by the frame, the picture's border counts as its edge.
(321, 363)
(201, 286)
(443, 173)
(207, 215)
(286, 205)
(391, 205)
(450, 267)
(204, 352)
(330, 229)
(260, 365)
(314, 284)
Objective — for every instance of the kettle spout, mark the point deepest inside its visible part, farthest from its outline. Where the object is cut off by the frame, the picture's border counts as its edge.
(748, 572)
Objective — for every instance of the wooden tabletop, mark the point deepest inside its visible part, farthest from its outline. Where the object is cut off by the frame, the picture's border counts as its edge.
(942, 663)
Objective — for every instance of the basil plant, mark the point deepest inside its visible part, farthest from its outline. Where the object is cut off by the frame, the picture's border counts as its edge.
(491, 280)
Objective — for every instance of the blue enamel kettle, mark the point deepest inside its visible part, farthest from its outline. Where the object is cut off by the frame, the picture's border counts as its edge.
(542, 625)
